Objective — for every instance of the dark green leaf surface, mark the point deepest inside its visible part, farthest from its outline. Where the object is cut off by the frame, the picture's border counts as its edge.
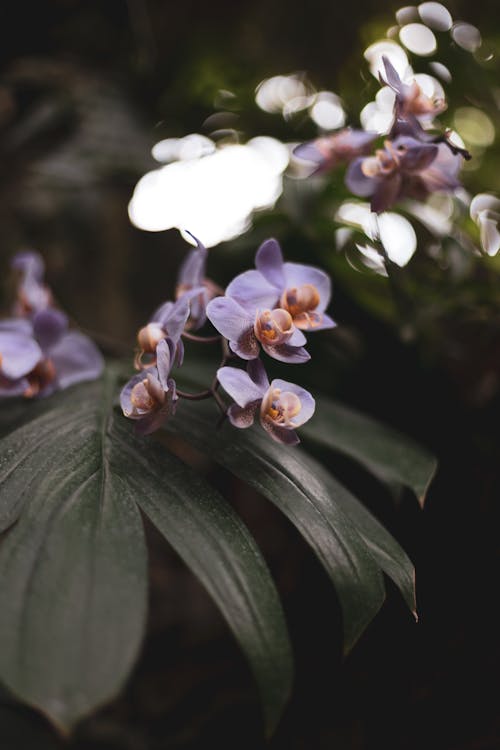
(73, 567)
(388, 554)
(217, 547)
(286, 479)
(390, 456)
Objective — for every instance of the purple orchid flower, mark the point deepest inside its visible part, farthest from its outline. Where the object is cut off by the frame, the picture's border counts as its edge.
(192, 276)
(410, 99)
(281, 406)
(38, 354)
(329, 151)
(169, 320)
(150, 396)
(394, 172)
(247, 329)
(19, 355)
(32, 294)
(302, 291)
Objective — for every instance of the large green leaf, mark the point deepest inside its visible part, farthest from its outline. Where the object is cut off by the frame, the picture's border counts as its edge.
(298, 488)
(215, 544)
(389, 555)
(73, 566)
(390, 456)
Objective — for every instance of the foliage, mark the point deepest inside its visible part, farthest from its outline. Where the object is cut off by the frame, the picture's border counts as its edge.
(73, 478)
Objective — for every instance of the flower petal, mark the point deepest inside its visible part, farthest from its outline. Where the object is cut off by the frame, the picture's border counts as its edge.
(127, 407)
(269, 261)
(386, 193)
(229, 317)
(253, 292)
(287, 353)
(154, 420)
(356, 180)
(297, 274)
(258, 374)
(48, 326)
(29, 264)
(239, 385)
(243, 416)
(297, 338)
(165, 354)
(17, 325)
(192, 270)
(279, 434)
(19, 353)
(76, 359)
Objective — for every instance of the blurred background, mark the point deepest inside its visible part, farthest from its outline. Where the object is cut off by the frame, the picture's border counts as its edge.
(87, 89)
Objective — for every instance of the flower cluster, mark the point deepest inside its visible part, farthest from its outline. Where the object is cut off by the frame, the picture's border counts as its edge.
(38, 352)
(268, 309)
(413, 161)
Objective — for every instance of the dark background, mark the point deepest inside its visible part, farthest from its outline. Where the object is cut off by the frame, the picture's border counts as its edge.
(86, 88)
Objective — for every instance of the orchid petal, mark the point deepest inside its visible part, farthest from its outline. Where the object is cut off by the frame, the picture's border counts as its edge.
(258, 374)
(269, 261)
(253, 292)
(19, 354)
(297, 274)
(243, 417)
(278, 433)
(386, 193)
(297, 338)
(287, 353)
(357, 182)
(165, 354)
(229, 317)
(76, 359)
(155, 419)
(48, 327)
(239, 385)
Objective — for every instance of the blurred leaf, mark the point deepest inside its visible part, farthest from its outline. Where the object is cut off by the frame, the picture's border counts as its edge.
(389, 455)
(73, 567)
(297, 488)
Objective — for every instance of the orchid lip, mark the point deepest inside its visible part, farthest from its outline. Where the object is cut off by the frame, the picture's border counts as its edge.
(281, 407)
(301, 299)
(273, 326)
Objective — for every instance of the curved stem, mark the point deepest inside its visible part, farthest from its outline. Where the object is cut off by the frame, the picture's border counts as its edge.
(195, 396)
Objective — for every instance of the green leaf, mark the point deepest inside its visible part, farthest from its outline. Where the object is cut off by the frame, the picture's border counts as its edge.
(215, 544)
(386, 453)
(73, 567)
(386, 551)
(285, 477)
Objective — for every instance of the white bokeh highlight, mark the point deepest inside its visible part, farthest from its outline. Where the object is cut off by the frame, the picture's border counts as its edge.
(212, 196)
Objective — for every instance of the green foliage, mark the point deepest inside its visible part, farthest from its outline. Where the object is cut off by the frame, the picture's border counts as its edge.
(73, 560)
